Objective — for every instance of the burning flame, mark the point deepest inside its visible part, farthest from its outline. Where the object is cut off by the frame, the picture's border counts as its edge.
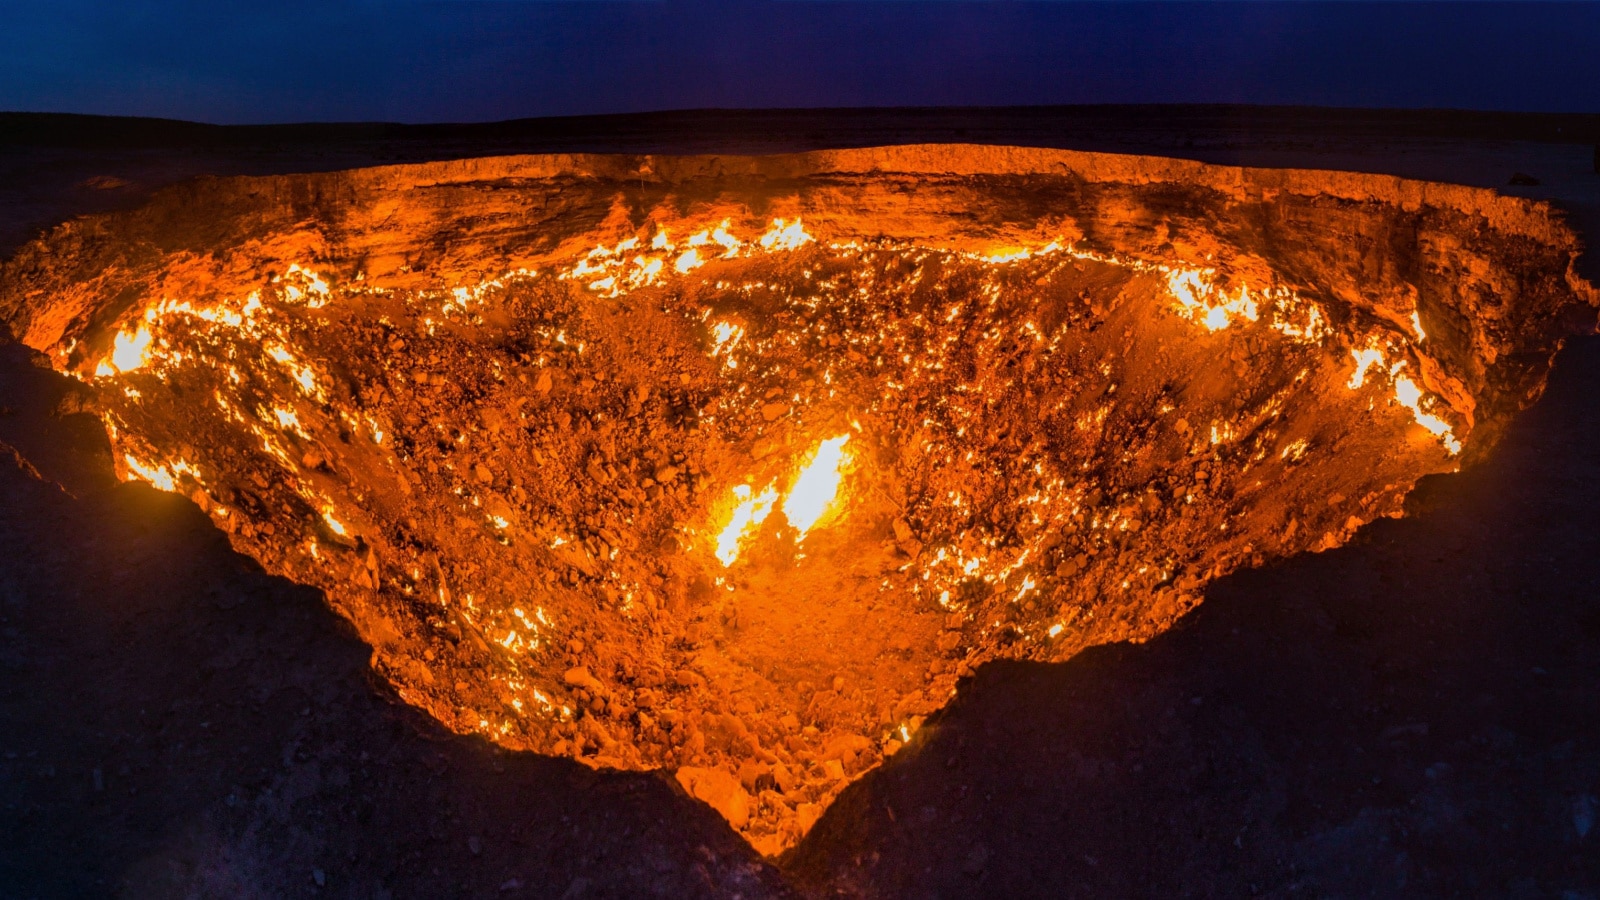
(805, 504)
(751, 512)
(128, 352)
(726, 240)
(1407, 394)
(334, 525)
(156, 475)
(648, 269)
(163, 477)
(620, 269)
(302, 284)
(1203, 302)
(785, 237)
(816, 486)
(688, 262)
(725, 337)
(999, 257)
(1366, 360)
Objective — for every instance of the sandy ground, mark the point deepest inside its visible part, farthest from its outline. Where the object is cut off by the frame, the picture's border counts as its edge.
(1410, 715)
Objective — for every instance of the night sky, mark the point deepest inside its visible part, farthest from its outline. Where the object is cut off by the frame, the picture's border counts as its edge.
(478, 60)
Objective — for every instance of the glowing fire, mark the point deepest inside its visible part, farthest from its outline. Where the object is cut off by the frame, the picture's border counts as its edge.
(1407, 394)
(816, 486)
(156, 475)
(747, 515)
(1010, 255)
(128, 352)
(688, 261)
(622, 269)
(1366, 361)
(334, 525)
(1202, 301)
(162, 477)
(785, 237)
(303, 285)
(724, 239)
(727, 336)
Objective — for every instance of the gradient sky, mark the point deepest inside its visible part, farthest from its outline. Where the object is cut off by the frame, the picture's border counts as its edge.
(478, 60)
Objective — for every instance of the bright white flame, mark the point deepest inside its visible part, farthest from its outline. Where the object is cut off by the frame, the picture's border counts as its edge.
(1313, 330)
(164, 477)
(1416, 325)
(1366, 360)
(785, 237)
(1005, 256)
(1202, 302)
(647, 269)
(816, 486)
(304, 377)
(689, 261)
(727, 241)
(334, 524)
(751, 511)
(1407, 394)
(128, 352)
(727, 336)
(1010, 255)
(156, 475)
(312, 288)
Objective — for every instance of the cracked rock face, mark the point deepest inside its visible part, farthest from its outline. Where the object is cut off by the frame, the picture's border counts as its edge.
(733, 466)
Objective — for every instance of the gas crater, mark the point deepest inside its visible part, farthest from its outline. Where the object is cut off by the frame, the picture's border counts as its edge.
(733, 467)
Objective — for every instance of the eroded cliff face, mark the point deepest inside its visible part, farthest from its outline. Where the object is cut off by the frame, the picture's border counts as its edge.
(734, 466)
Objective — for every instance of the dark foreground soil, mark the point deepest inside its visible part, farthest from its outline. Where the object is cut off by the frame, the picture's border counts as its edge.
(1414, 714)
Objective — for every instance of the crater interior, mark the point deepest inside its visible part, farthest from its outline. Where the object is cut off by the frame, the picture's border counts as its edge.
(734, 466)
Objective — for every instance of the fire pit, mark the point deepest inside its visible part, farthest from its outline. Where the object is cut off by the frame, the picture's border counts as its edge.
(734, 466)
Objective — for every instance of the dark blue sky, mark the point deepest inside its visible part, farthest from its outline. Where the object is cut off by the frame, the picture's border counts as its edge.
(475, 60)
